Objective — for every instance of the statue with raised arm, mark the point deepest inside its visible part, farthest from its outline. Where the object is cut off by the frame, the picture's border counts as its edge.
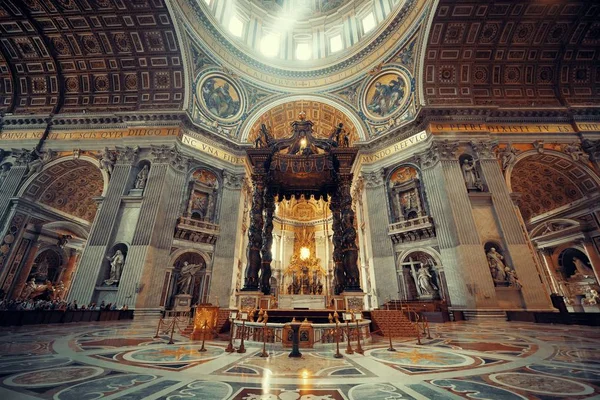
(186, 277)
(424, 280)
(582, 268)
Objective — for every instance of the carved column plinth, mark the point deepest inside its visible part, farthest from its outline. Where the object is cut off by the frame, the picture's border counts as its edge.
(255, 235)
(267, 242)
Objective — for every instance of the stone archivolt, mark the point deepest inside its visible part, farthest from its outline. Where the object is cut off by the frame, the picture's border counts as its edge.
(69, 187)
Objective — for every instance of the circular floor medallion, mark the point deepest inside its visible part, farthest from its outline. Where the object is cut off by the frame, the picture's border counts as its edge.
(413, 357)
(53, 377)
(541, 384)
(173, 354)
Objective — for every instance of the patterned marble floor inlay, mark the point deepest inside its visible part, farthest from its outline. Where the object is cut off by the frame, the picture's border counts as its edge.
(465, 360)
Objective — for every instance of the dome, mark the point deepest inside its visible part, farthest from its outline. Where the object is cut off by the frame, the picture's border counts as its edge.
(300, 44)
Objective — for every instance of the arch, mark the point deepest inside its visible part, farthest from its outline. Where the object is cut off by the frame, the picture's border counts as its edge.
(178, 253)
(558, 181)
(427, 250)
(78, 230)
(69, 186)
(361, 129)
(59, 160)
(553, 225)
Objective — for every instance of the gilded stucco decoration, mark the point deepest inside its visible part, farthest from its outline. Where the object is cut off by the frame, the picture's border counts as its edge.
(325, 118)
(546, 182)
(303, 209)
(69, 186)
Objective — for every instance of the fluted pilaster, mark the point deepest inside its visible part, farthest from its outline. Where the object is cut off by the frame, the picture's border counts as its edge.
(229, 238)
(9, 188)
(382, 253)
(521, 253)
(87, 274)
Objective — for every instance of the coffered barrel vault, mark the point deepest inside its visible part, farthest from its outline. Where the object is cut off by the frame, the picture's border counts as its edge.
(70, 56)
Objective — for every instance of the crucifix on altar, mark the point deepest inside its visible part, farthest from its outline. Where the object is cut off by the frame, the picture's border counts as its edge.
(301, 165)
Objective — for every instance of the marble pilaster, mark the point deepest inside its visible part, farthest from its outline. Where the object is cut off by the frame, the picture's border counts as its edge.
(142, 278)
(522, 257)
(381, 251)
(9, 188)
(465, 265)
(229, 240)
(86, 276)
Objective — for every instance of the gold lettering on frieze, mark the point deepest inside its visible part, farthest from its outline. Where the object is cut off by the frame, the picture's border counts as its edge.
(21, 135)
(211, 150)
(442, 127)
(588, 126)
(393, 149)
(113, 134)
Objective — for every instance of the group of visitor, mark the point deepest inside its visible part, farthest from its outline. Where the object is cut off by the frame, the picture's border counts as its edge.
(61, 305)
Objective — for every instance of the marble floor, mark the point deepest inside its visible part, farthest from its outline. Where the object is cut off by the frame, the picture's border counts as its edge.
(462, 360)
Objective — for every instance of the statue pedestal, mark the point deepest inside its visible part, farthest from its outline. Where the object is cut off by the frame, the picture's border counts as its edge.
(183, 303)
(249, 300)
(354, 300)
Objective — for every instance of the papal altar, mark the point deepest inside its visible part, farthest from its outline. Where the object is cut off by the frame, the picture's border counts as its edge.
(311, 302)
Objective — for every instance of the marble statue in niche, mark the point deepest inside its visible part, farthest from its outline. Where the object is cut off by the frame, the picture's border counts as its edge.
(116, 267)
(186, 277)
(502, 274)
(471, 174)
(425, 284)
(141, 178)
